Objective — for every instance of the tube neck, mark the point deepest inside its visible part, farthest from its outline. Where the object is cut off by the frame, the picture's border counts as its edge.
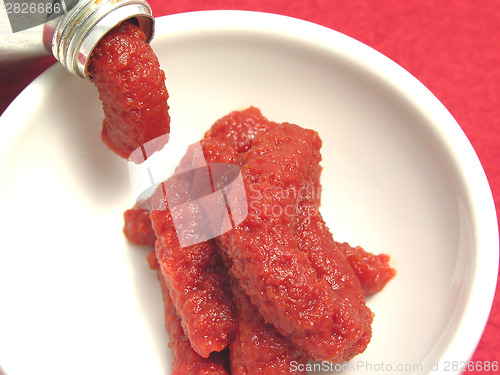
(74, 36)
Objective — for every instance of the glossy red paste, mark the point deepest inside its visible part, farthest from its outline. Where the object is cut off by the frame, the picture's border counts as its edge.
(280, 289)
(185, 359)
(132, 89)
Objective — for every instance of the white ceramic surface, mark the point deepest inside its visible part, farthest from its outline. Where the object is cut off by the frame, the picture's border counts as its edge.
(399, 177)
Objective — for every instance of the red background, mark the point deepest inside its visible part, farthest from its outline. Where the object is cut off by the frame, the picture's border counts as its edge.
(451, 46)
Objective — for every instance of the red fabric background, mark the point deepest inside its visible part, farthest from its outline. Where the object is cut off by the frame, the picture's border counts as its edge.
(451, 46)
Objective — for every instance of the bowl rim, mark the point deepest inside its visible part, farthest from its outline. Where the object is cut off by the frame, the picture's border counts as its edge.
(442, 123)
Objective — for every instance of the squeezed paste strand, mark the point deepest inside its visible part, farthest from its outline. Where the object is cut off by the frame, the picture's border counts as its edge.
(132, 89)
(283, 289)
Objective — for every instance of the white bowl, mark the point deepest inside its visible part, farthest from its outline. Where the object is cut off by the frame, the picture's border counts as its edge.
(399, 177)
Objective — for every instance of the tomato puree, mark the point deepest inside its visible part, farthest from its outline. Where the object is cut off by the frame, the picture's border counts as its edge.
(132, 89)
(186, 360)
(279, 286)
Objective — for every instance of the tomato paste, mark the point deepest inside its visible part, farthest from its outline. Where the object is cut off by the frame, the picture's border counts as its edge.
(280, 287)
(132, 89)
(185, 359)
